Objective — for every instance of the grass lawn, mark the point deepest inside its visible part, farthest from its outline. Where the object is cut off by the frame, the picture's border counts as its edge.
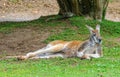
(106, 66)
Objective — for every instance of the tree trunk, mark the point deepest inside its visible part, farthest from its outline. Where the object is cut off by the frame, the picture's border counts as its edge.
(92, 8)
(97, 7)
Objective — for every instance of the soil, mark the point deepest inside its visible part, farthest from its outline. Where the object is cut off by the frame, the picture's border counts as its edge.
(113, 11)
(26, 10)
(23, 40)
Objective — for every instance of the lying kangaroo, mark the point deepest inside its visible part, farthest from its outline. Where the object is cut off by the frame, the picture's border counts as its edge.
(88, 49)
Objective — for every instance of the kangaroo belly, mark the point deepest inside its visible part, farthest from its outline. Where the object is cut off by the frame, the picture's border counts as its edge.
(71, 48)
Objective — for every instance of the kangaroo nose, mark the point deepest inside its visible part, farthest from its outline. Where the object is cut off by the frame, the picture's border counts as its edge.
(100, 40)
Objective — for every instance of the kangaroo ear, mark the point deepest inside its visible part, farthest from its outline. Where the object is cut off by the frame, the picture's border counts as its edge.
(90, 28)
(98, 27)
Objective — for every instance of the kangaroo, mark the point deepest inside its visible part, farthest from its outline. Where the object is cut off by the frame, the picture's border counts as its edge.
(87, 49)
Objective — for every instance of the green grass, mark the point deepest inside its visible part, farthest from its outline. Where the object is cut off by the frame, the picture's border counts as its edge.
(107, 66)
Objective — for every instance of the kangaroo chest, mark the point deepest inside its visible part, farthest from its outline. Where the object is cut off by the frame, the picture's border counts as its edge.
(90, 49)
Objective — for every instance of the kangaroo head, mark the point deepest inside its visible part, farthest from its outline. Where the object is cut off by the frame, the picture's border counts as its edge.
(95, 34)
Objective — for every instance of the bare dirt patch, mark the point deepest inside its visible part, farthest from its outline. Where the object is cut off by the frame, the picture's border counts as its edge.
(26, 10)
(21, 40)
(27, 39)
(113, 11)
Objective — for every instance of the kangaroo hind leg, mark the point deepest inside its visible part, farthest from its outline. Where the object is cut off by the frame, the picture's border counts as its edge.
(52, 49)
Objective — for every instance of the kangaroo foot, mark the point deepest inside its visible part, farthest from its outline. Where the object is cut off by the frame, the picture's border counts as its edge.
(21, 58)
